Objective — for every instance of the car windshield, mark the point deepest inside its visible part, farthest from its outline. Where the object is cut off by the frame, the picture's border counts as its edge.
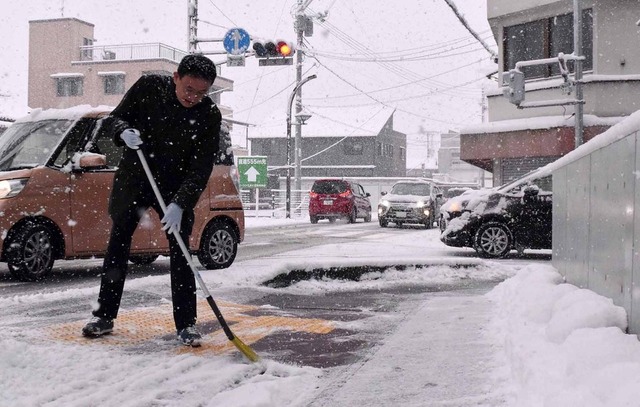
(411, 189)
(29, 144)
(329, 187)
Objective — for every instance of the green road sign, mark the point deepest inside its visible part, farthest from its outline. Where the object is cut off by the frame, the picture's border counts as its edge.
(253, 171)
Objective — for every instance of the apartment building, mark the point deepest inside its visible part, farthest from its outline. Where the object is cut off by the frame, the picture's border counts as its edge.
(514, 140)
(67, 67)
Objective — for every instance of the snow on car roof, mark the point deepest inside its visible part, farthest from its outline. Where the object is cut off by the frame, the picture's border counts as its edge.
(72, 113)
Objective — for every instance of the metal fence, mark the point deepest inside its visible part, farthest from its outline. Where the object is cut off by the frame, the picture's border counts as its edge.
(272, 203)
(130, 52)
(596, 228)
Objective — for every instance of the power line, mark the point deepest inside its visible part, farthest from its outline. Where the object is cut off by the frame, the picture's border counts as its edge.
(383, 103)
(223, 14)
(466, 25)
(399, 71)
(398, 86)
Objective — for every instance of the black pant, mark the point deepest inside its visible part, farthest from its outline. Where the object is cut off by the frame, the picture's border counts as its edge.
(183, 286)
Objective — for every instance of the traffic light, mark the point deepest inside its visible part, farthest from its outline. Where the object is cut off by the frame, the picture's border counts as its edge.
(516, 92)
(271, 53)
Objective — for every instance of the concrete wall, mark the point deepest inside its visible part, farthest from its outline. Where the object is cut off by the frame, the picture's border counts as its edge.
(595, 227)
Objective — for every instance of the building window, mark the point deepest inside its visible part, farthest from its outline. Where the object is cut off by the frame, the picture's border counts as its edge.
(114, 84)
(353, 147)
(71, 86)
(545, 39)
(87, 53)
(403, 153)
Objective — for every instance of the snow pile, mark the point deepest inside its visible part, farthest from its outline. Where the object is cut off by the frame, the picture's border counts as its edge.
(78, 376)
(565, 346)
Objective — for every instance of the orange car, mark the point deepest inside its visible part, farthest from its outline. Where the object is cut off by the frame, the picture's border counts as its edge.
(56, 173)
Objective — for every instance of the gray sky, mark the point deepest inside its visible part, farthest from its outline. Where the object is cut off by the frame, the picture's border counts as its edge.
(434, 88)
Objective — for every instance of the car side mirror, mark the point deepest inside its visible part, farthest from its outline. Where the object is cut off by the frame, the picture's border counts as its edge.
(88, 160)
(439, 195)
(383, 193)
(367, 194)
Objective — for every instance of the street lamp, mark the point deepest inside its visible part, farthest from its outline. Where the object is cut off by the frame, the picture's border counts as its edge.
(289, 106)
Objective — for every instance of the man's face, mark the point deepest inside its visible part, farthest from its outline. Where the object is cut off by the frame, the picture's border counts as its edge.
(190, 90)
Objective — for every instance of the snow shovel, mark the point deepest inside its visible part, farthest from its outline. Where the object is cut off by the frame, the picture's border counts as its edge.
(242, 347)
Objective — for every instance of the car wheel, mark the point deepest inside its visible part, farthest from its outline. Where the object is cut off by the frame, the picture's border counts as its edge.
(332, 220)
(219, 246)
(367, 218)
(399, 224)
(30, 253)
(353, 216)
(493, 239)
(314, 219)
(383, 222)
(142, 260)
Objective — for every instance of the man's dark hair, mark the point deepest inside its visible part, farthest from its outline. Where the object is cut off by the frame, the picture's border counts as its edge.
(199, 66)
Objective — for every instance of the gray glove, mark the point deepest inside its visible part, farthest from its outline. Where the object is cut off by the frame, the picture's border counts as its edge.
(172, 218)
(131, 138)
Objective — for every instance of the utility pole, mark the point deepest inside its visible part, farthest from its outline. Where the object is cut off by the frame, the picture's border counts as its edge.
(577, 51)
(192, 24)
(193, 39)
(299, 27)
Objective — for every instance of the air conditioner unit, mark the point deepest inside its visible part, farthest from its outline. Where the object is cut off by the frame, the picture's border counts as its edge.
(109, 55)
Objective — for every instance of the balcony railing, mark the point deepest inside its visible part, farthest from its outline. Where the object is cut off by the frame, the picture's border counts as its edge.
(130, 52)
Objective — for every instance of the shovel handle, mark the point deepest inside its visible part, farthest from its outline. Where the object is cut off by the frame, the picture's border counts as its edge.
(176, 234)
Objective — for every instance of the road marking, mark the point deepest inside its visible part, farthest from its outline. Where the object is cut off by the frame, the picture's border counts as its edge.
(138, 326)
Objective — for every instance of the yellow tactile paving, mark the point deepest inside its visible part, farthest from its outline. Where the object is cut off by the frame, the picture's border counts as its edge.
(143, 325)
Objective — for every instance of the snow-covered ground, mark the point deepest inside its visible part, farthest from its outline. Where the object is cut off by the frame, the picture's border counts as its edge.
(542, 342)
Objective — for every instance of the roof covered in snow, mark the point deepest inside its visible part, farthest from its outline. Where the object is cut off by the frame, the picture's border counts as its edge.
(537, 123)
(71, 113)
(328, 122)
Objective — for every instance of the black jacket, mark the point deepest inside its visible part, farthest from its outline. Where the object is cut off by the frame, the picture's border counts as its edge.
(180, 145)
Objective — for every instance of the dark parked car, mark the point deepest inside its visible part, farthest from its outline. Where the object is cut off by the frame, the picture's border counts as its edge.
(414, 202)
(516, 216)
(337, 198)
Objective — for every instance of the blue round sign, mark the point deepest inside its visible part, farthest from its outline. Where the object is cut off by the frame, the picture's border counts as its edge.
(236, 41)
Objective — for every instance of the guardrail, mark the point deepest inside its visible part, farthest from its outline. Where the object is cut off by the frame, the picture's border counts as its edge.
(272, 203)
(130, 52)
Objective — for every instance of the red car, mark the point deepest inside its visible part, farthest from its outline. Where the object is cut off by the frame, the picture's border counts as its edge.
(337, 198)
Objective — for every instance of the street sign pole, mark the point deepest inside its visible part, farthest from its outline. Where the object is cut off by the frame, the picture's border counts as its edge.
(289, 106)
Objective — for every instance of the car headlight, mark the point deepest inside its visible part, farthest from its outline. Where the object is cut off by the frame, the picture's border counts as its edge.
(385, 203)
(12, 187)
(455, 207)
(420, 204)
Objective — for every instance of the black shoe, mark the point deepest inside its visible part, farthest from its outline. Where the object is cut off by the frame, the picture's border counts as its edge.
(97, 327)
(190, 336)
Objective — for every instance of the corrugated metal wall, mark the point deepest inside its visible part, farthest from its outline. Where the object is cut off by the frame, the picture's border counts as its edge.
(595, 228)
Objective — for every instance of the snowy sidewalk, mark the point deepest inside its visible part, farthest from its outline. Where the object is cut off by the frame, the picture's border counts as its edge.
(438, 356)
